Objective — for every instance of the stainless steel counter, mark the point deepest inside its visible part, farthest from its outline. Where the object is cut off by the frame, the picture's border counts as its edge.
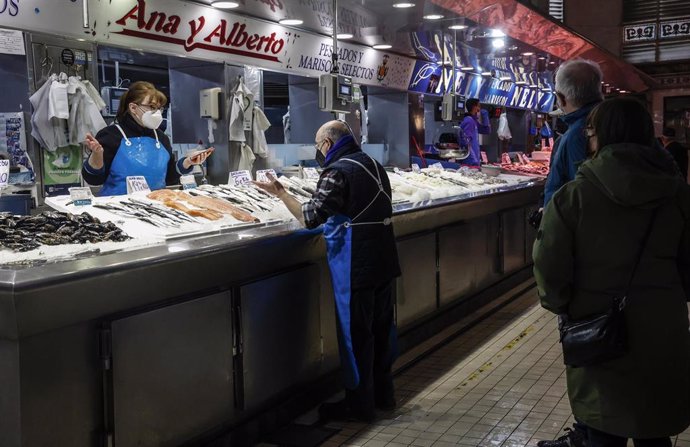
(160, 345)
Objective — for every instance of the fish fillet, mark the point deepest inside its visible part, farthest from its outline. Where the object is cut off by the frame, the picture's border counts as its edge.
(220, 206)
(208, 214)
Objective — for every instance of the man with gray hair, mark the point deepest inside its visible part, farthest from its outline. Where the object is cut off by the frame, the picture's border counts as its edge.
(353, 202)
(578, 90)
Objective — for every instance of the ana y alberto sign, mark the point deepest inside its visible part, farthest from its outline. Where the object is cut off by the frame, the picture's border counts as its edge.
(178, 27)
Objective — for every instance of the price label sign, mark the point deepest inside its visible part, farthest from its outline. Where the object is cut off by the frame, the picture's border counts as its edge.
(416, 168)
(137, 183)
(505, 158)
(310, 173)
(262, 175)
(485, 159)
(80, 196)
(188, 182)
(238, 178)
(4, 173)
(437, 166)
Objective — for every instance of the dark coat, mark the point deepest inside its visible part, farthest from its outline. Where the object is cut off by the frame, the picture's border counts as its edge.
(584, 253)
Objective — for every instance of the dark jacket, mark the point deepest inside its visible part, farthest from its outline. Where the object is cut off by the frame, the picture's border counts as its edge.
(680, 155)
(583, 257)
(110, 138)
(374, 252)
(569, 151)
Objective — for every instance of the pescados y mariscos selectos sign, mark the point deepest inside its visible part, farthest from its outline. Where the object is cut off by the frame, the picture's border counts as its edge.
(210, 33)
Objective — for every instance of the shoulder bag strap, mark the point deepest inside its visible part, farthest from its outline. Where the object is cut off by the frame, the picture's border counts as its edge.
(648, 232)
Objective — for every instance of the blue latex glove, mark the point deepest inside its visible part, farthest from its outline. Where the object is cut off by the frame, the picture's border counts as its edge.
(546, 131)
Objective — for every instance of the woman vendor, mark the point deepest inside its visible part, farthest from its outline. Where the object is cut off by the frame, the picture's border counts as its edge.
(133, 147)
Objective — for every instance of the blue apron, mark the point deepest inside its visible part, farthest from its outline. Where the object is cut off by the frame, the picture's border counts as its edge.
(338, 235)
(137, 156)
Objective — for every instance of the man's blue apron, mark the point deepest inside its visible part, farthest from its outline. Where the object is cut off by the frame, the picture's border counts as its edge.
(338, 234)
(137, 156)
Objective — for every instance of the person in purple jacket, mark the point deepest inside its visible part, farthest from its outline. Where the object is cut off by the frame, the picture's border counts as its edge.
(476, 121)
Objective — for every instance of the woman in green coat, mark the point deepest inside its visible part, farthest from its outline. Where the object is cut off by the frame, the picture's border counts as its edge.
(584, 255)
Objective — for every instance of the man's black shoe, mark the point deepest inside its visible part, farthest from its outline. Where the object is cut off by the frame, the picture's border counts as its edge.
(571, 438)
(341, 411)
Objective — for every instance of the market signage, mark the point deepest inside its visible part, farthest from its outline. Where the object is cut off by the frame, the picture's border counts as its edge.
(60, 17)
(671, 30)
(185, 28)
(639, 33)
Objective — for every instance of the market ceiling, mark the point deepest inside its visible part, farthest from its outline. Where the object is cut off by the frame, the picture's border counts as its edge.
(474, 22)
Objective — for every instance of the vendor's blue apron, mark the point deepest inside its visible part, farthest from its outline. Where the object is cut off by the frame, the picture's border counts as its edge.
(137, 156)
(338, 234)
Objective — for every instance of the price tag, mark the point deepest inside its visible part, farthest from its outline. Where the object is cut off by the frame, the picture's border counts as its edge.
(505, 158)
(238, 178)
(437, 166)
(4, 173)
(137, 183)
(485, 159)
(522, 158)
(80, 196)
(416, 168)
(310, 174)
(262, 176)
(188, 182)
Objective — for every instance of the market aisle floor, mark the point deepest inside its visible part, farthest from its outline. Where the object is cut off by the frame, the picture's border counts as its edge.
(501, 383)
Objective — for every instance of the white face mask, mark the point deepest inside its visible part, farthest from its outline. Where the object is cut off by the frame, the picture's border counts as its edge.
(152, 120)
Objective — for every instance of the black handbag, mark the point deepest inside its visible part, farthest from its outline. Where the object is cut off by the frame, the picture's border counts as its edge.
(603, 337)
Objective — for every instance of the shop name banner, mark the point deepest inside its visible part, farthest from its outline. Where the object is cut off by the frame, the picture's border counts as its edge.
(177, 27)
(61, 17)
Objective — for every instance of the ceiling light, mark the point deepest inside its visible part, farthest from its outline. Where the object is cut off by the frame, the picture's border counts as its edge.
(498, 43)
(291, 22)
(382, 46)
(343, 36)
(403, 5)
(457, 27)
(486, 73)
(225, 5)
(624, 91)
(467, 69)
(528, 54)
(541, 58)
(433, 16)
(497, 33)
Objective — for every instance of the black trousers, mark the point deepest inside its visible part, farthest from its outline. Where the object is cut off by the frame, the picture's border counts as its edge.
(371, 323)
(597, 438)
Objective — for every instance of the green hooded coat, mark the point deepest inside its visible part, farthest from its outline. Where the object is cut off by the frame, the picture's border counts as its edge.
(584, 255)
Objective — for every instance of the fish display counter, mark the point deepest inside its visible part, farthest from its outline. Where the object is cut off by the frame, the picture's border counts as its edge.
(217, 306)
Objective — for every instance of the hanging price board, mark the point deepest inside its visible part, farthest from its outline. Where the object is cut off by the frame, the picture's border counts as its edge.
(137, 183)
(238, 178)
(262, 175)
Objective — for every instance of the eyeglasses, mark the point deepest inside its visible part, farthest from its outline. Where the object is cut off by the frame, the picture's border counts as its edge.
(318, 144)
(149, 108)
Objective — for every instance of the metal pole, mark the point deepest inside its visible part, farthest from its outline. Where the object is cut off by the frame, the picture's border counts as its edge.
(85, 12)
(118, 81)
(334, 56)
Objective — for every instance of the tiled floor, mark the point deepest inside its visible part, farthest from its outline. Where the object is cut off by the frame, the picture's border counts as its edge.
(502, 383)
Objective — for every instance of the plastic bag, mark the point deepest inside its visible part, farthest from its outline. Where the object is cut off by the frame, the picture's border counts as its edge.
(503, 129)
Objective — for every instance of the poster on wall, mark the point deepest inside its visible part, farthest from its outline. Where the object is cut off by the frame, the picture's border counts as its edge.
(61, 169)
(13, 146)
(190, 29)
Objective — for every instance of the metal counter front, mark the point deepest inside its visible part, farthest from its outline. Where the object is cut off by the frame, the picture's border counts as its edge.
(170, 343)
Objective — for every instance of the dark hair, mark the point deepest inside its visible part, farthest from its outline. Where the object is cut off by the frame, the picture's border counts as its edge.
(621, 120)
(470, 103)
(137, 93)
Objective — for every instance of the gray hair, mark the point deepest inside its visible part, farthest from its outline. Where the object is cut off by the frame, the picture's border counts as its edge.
(579, 80)
(335, 130)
